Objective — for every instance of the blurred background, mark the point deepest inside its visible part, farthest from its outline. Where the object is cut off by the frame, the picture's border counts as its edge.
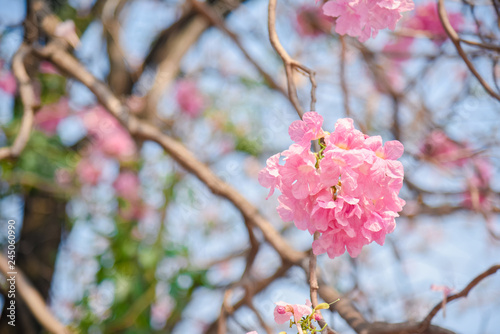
(118, 238)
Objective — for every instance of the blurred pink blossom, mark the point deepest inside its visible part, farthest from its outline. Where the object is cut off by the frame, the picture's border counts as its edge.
(49, 116)
(312, 22)
(440, 149)
(108, 134)
(364, 18)
(426, 19)
(189, 98)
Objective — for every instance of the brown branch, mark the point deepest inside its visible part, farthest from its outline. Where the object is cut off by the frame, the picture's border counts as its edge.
(290, 64)
(28, 99)
(177, 151)
(427, 321)
(443, 16)
(33, 300)
(343, 79)
(218, 22)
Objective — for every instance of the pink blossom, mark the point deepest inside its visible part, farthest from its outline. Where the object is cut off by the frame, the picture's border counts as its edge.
(426, 19)
(189, 98)
(446, 292)
(364, 18)
(348, 192)
(440, 149)
(127, 186)
(108, 134)
(48, 117)
(312, 22)
(284, 311)
(252, 332)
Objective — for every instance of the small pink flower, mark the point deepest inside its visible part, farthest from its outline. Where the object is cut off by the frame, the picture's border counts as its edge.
(47, 68)
(284, 311)
(189, 98)
(307, 129)
(446, 292)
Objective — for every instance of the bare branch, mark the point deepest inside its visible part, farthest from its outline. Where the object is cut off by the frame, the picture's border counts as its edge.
(28, 99)
(34, 300)
(426, 322)
(443, 16)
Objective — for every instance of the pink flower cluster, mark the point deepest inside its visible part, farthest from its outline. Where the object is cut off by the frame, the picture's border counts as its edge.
(364, 18)
(348, 191)
(49, 116)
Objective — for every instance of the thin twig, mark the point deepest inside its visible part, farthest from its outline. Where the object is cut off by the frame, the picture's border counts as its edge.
(290, 64)
(443, 16)
(343, 79)
(427, 321)
(28, 99)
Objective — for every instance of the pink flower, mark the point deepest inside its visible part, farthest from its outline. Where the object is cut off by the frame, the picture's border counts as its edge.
(47, 68)
(442, 150)
(364, 18)
(312, 22)
(49, 116)
(252, 332)
(127, 185)
(189, 98)
(348, 192)
(284, 311)
(426, 18)
(307, 129)
(108, 134)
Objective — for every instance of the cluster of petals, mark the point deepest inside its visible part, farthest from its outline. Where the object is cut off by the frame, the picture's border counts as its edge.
(364, 18)
(312, 22)
(348, 191)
